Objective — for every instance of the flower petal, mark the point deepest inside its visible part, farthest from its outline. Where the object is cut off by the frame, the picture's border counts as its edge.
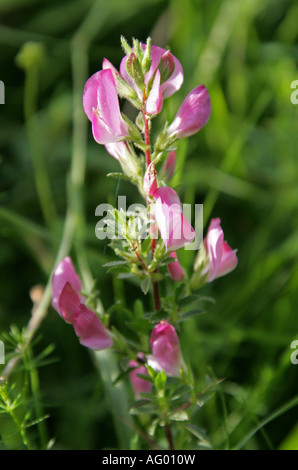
(139, 385)
(213, 243)
(69, 304)
(175, 269)
(193, 113)
(90, 330)
(90, 94)
(64, 273)
(101, 104)
(154, 100)
(174, 228)
(229, 260)
(165, 348)
(169, 165)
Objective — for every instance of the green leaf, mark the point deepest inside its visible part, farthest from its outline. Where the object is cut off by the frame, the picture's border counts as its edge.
(197, 432)
(114, 263)
(145, 285)
(160, 380)
(143, 406)
(192, 313)
(119, 175)
(280, 411)
(179, 416)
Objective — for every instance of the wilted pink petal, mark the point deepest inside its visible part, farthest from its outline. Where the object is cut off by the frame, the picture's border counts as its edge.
(101, 104)
(154, 100)
(169, 165)
(192, 115)
(175, 269)
(139, 385)
(174, 228)
(64, 273)
(90, 330)
(165, 348)
(221, 258)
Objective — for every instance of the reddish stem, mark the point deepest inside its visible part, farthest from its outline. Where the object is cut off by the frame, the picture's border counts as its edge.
(157, 304)
(169, 437)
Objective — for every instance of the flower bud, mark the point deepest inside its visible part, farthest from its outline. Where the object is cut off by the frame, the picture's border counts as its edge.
(157, 85)
(192, 115)
(174, 227)
(139, 385)
(165, 348)
(66, 300)
(215, 257)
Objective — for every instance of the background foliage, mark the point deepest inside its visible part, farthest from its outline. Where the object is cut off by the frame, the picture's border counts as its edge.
(242, 166)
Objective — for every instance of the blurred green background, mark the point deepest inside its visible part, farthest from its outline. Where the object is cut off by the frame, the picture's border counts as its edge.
(242, 166)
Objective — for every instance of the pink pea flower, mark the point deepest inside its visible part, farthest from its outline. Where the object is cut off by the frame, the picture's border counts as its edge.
(169, 165)
(101, 105)
(160, 88)
(165, 348)
(139, 385)
(175, 269)
(221, 258)
(67, 301)
(192, 115)
(174, 227)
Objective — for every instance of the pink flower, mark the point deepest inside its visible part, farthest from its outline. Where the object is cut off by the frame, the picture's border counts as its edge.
(67, 301)
(169, 165)
(101, 105)
(192, 115)
(174, 227)
(221, 258)
(175, 269)
(165, 348)
(166, 81)
(139, 385)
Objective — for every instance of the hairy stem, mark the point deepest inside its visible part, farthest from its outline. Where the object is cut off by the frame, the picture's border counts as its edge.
(157, 304)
